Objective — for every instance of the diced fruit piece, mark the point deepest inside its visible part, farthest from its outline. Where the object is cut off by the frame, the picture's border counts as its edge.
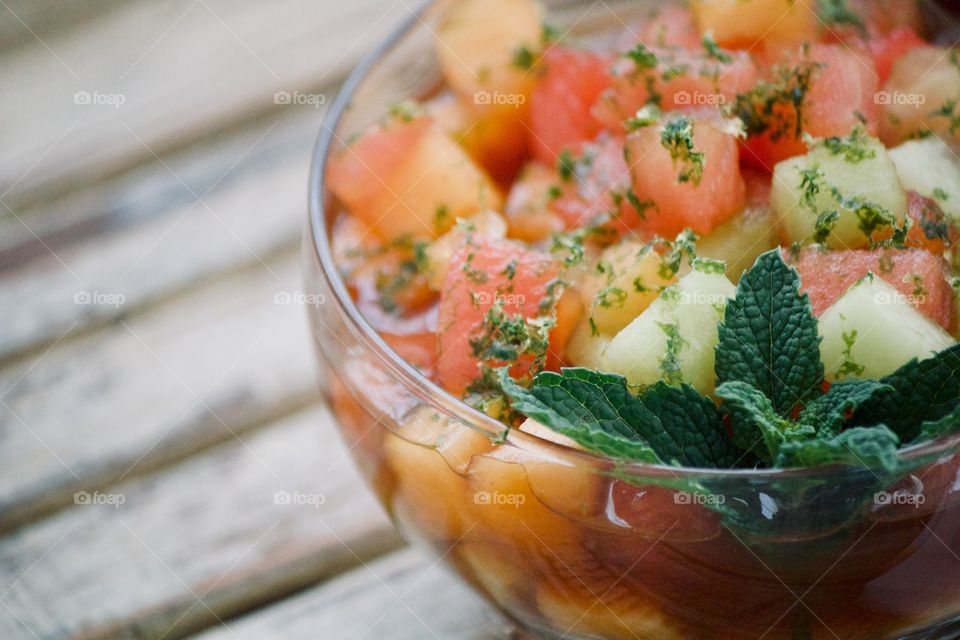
(409, 179)
(891, 47)
(569, 311)
(528, 204)
(519, 288)
(920, 277)
(586, 346)
(921, 95)
(835, 87)
(675, 338)
(883, 17)
(615, 611)
(930, 168)
(561, 102)
(534, 428)
(932, 229)
(670, 26)
(427, 458)
(487, 224)
(854, 178)
(493, 134)
(873, 330)
(513, 487)
(689, 170)
(594, 185)
(485, 47)
(739, 241)
(674, 79)
(745, 23)
(628, 277)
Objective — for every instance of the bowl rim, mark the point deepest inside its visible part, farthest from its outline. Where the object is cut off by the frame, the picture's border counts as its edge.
(421, 385)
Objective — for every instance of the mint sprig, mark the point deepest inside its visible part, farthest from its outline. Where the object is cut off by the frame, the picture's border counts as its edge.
(770, 393)
(923, 391)
(768, 336)
(664, 425)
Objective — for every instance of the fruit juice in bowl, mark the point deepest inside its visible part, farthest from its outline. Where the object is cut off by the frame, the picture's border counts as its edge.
(642, 316)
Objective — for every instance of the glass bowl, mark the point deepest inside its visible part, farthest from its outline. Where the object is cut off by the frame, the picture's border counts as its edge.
(570, 545)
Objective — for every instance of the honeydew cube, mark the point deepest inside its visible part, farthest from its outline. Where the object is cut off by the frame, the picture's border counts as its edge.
(805, 188)
(873, 330)
(488, 224)
(586, 346)
(739, 241)
(484, 47)
(629, 276)
(675, 338)
(930, 168)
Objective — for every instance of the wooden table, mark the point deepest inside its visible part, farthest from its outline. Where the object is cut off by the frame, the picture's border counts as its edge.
(157, 399)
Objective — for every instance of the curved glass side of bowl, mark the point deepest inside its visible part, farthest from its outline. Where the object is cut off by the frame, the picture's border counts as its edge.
(569, 545)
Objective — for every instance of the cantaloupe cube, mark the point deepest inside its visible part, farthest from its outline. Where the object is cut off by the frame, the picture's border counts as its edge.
(873, 330)
(628, 277)
(806, 189)
(744, 23)
(486, 224)
(675, 338)
(586, 346)
(427, 458)
(739, 241)
(484, 46)
(408, 178)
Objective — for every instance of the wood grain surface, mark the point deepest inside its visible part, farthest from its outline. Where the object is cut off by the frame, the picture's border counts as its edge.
(166, 464)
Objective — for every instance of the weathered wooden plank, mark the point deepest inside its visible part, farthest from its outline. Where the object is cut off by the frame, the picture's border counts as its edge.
(161, 187)
(242, 222)
(202, 541)
(153, 388)
(405, 596)
(147, 77)
(23, 21)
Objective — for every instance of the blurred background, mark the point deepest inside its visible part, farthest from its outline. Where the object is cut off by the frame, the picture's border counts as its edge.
(167, 467)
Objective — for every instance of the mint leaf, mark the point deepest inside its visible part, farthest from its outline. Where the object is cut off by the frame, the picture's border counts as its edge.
(924, 391)
(768, 336)
(933, 429)
(873, 447)
(691, 425)
(829, 413)
(672, 425)
(757, 427)
(579, 409)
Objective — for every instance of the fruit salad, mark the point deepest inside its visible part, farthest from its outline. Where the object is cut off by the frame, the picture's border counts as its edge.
(719, 238)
